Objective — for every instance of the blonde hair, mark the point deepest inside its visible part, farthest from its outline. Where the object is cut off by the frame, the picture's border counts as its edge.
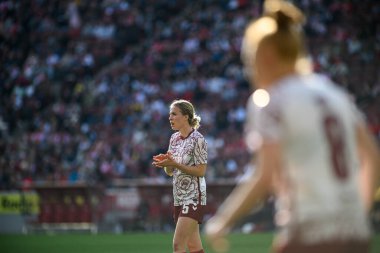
(279, 26)
(187, 108)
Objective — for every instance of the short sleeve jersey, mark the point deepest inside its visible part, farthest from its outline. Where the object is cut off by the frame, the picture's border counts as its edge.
(189, 151)
(314, 121)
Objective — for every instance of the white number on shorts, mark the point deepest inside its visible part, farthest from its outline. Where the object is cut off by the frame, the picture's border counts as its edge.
(185, 209)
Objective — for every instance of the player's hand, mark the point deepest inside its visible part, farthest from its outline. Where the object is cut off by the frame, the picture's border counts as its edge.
(216, 232)
(164, 160)
(158, 158)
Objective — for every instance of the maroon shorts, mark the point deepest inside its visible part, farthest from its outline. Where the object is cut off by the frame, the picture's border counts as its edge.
(196, 212)
(326, 247)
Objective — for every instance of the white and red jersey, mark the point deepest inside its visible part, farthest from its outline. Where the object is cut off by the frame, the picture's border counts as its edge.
(314, 121)
(189, 151)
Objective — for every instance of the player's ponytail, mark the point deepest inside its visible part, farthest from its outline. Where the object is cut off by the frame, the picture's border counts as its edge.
(195, 121)
(286, 15)
(288, 37)
(279, 26)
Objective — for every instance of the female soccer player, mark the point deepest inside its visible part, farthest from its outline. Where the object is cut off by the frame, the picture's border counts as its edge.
(314, 152)
(186, 161)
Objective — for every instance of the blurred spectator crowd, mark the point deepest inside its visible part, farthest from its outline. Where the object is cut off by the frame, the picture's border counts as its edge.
(85, 85)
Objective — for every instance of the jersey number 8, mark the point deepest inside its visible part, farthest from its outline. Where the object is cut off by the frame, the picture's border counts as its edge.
(333, 131)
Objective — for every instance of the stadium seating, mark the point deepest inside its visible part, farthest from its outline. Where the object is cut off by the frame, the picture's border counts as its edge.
(86, 84)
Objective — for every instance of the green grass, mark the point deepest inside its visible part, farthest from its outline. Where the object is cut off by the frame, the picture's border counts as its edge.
(126, 243)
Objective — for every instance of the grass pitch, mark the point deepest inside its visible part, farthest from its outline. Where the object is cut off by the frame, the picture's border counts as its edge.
(127, 243)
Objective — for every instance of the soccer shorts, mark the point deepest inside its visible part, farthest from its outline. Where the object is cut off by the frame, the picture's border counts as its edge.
(196, 212)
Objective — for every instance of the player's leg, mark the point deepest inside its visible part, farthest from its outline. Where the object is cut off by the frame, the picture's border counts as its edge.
(184, 229)
(194, 244)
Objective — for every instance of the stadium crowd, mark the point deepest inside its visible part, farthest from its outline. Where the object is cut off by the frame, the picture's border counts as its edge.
(86, 84)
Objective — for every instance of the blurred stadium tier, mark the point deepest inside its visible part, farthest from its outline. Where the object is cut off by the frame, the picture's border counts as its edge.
(132, 205)
(129, 206)
(66, 207)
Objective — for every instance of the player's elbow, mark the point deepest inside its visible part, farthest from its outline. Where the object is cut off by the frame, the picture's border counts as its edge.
(201, 174)
(202, 170)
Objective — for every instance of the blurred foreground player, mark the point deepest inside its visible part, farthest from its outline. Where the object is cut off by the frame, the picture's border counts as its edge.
(186, 161)
(314, 152)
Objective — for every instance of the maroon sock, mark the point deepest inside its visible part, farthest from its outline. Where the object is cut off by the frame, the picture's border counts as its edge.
(199, 251)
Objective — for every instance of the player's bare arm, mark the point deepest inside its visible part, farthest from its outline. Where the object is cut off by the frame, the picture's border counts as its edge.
(161, 157)
(196, 170)
(247, 194)
(170, 164)
(370, 164)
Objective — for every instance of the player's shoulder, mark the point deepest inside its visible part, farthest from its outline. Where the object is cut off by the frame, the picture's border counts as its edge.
(298, 89)
(336, 96)
(196, 134)
(197, 137)
(325, 85)
(321, 82)
(174, 136)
